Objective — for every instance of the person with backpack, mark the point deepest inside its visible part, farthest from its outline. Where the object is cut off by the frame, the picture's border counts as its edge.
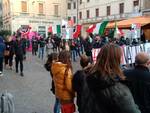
(62, 76)
(104, 92)
(2, 49)
(78, 79)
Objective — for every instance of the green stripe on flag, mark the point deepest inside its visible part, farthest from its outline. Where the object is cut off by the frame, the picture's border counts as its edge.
(58, 29)
(102, 27)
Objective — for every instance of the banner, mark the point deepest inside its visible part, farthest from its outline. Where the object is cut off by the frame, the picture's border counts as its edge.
(128, 53)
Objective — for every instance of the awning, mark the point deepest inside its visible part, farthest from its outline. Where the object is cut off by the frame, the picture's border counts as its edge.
(124, 24)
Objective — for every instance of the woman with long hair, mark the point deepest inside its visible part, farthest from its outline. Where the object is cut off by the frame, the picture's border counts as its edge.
(62, 76)
(108, 94)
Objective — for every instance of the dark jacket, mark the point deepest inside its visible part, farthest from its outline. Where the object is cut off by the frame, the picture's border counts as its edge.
(110, 95)
(138, 80)
(77, 84)
(2, 47)
(20, 48)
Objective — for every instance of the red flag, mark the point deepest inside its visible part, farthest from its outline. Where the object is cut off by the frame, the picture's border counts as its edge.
(91, 28)
(77, 32)
(50, 29)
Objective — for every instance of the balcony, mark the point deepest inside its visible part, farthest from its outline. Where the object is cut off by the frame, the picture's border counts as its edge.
(110, 18)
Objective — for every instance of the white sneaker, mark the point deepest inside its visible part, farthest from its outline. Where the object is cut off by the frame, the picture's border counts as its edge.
(1, 74)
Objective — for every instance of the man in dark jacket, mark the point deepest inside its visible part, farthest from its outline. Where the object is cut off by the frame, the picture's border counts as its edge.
(78, 79)
(2, 49)
(138, 80)
(19, 48)
(41, 48)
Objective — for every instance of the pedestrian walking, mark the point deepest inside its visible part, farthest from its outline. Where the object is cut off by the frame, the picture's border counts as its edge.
(104, 92)
(19, 48)
(138, 81)
(62, 76)
(9, 52)
(2, 49)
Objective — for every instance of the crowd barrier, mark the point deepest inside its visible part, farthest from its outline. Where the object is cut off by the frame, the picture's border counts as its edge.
(128, 52)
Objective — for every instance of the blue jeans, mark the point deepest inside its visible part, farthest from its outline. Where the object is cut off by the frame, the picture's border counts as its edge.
(41, 52)
(57, 106)
(73, 54)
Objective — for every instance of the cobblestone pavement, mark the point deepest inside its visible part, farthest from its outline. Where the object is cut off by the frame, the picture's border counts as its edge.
(31, 92)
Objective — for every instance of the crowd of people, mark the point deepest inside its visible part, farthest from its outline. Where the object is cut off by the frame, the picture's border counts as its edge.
(101, 87)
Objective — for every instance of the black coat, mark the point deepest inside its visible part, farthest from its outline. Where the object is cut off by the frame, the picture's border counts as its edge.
(20, 48)
(138, 80)
(110, 96)
(77, 84)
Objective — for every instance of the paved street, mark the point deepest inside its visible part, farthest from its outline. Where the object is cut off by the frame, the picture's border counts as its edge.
(31, 92)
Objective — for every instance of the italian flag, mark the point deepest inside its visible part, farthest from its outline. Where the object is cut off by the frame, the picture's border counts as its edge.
(100, 28)
(91, 28)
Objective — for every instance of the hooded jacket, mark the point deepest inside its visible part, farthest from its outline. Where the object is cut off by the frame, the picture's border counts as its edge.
(110, 96)
(62, 82)
(2, 47)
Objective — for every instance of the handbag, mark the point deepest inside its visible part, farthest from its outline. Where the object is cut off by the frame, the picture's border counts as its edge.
(6, 53)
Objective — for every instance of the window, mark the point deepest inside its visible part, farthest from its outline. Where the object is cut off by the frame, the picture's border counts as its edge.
(24, 6)
(80, 15)
(97, 12)
(74, 19)
(121, 7)
(80, 1)
(136, 3)
(56, 10)
(74, 5)
(88, 0)
(40, 8)
(69, 5)
(108, 10)
(88, 14)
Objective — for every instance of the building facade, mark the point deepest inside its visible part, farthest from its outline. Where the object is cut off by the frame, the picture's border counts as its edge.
(146, 7)
(1, 22)
(72, 9)
(94, 11)
(38, 14)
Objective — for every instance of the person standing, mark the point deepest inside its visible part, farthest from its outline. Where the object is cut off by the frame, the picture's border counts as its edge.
(138, 81)
(2, 49)
(53, 57)
(62, 76)
(41, 48)
(78, 79)
(106, 93)
(19, 48)
(34, 46)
